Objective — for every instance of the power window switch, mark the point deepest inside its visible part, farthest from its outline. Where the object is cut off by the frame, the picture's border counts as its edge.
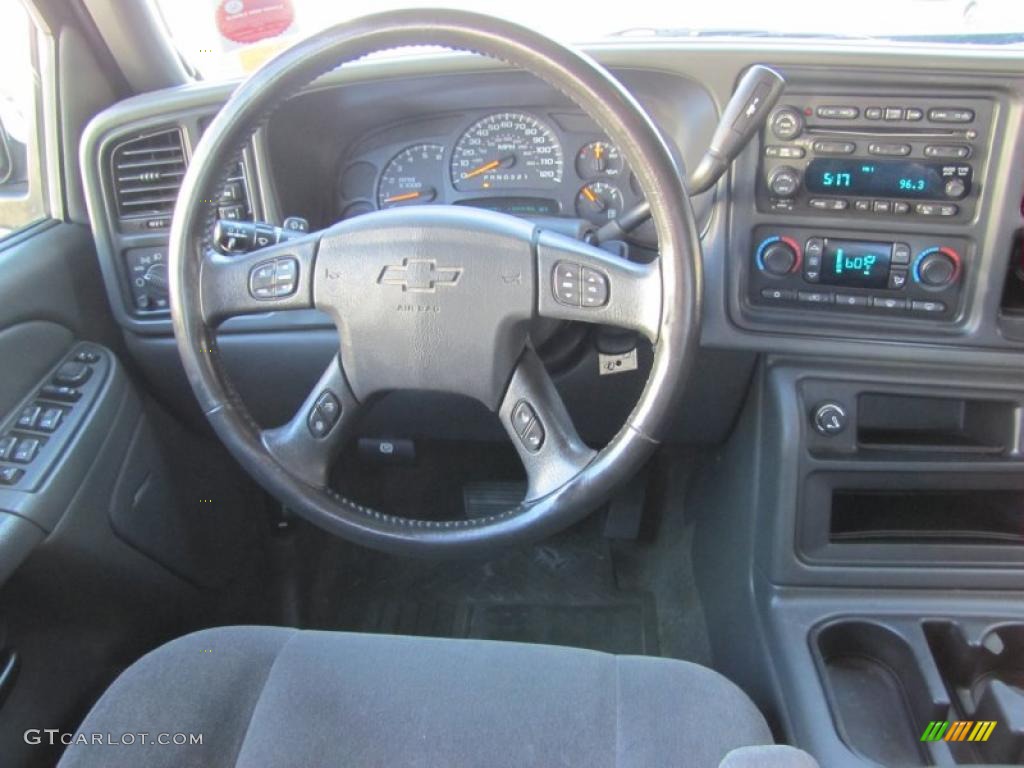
(63, 394)
(49, 419)
(7, 446)
(29, 416)
(25, 450)
(10, 475)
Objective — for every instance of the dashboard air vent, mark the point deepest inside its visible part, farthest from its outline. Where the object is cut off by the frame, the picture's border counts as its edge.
(147, 173)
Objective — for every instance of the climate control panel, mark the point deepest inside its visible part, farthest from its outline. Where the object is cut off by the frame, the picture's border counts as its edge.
(843, 271)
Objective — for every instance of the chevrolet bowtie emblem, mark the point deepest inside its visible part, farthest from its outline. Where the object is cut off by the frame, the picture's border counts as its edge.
(419, 275)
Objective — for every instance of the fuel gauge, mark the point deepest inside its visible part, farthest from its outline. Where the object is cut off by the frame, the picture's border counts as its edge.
(599, 158)
(599, 202)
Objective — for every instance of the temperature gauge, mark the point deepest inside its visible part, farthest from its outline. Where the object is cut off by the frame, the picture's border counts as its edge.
(599, 202)
(599, 158)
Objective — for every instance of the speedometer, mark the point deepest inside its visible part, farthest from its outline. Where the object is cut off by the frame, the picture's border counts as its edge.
(507, 150)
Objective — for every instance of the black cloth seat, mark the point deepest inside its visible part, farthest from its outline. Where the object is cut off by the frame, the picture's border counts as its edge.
(271, 696)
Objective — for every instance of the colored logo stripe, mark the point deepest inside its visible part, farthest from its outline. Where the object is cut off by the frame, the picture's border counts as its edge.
(959, 730)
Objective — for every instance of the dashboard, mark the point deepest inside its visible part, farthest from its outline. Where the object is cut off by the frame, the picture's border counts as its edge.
(527, 162)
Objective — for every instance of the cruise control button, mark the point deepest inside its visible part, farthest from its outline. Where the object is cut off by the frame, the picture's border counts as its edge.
(7, 446)
(523, 416)
(595, 288)
(25, 450)
(29, 416)
(10, 475)
(534, 437)
(566, 286)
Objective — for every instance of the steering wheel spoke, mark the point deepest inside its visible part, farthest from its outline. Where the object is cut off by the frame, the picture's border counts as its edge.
(535, 417)
(273, 278)
(308, 443)
(579, 281)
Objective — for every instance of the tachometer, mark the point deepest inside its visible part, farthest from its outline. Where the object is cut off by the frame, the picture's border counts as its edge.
(508, 150)
(413, 176)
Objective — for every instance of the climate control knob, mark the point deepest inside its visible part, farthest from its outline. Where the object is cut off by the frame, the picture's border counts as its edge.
(778, 256)
(786, 123)
(784, 181)
(937, 267)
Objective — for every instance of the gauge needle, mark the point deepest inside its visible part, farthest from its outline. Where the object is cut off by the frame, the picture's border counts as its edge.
(599, 156)
(598, 203)
(426, 194)
(489, 166)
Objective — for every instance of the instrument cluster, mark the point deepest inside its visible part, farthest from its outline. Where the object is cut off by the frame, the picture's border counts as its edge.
(527, 163)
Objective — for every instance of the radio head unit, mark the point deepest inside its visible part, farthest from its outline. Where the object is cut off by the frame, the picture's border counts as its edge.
(874, 156)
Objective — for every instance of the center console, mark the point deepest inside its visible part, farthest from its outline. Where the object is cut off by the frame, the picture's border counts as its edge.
(867, 209)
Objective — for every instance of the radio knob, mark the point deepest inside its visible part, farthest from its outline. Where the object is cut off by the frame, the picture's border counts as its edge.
(786, 123)
(784, 181)
(956, 188)
(937, 267)
(778, 258)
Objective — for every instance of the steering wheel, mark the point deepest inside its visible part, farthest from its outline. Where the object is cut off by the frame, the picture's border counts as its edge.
(438, 298)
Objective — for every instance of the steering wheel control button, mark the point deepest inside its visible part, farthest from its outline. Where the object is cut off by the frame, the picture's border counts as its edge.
(10, 475)
(595, 288)
(274, 279)
(295, 224)
(324, 415)
(534, 437)
(566, 286)
(829, 419)
(25, 450)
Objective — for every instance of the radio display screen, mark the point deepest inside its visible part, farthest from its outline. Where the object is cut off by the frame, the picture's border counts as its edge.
(878, 178)
(856, 263)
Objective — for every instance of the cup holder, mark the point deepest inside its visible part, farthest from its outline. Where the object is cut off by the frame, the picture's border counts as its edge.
(887, 680)
(983, 668)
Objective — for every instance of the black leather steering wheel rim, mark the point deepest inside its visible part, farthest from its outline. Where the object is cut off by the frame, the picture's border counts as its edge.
(598, 94)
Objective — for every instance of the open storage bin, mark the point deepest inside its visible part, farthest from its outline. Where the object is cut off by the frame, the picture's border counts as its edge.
(887, 679)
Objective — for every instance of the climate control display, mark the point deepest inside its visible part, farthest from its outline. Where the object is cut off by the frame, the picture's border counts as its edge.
(856, 263)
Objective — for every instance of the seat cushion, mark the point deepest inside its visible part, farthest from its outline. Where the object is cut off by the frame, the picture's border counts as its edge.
(270, 696)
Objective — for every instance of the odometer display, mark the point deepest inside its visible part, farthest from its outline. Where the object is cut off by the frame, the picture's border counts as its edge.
(507, 150)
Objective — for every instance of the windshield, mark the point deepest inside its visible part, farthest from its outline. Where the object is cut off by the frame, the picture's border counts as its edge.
(228, 38)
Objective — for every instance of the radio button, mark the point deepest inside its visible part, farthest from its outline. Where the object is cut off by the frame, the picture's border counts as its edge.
(784, 181)
(900, 254)
(828, 204)
(897, 279)
(948, 209)
(893, 113)
(931, 307)
(889, 150)
(881, 206)
(951, 115)
(955, 188)
(873, 113)
(864, 206)
(913, 114)
(814, 297)
(838, 113)
(835, 147)
(947, 151)
(788, 153)
(850, 300)
(778, 294)
(926, 209)
(786, 123)
(900, 207)
(885, 302)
